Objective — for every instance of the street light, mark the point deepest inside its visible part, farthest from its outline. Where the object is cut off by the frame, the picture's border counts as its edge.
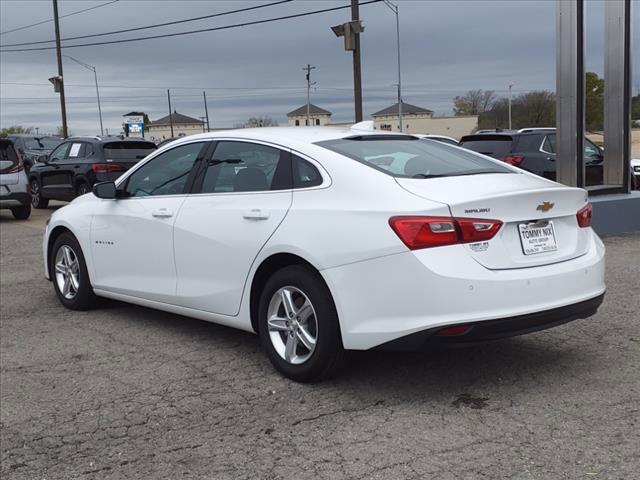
(510, 87)
(95, 76)
(394, 9)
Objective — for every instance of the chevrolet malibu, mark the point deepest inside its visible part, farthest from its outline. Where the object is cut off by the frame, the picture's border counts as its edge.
(324, 240)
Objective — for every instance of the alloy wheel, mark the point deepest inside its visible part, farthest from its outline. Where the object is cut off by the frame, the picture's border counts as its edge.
(67, 272)
(35, 194)
(292, 325)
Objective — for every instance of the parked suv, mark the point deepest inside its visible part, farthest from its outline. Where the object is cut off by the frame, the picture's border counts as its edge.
(14, 186)
(34, 148)
(533, 149)
(79, 162)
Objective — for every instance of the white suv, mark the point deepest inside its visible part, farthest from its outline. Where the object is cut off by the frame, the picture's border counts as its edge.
(14, 185)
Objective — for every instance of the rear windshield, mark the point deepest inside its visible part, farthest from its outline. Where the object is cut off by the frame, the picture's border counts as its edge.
(412, 158)
(41, 143)
(8, 157)
(128, 150)
(492, 146)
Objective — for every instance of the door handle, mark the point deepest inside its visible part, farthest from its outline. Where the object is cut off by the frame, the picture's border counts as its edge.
(255, 214)
(162, 213)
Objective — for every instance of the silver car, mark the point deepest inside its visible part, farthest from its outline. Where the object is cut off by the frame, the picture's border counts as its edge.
(14, 185)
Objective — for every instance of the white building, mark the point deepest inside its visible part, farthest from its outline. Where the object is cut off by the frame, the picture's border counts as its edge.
(421, 120)
(182, 125)
(317, 116)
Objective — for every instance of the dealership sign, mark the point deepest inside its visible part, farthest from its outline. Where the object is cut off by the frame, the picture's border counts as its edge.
(133, 119)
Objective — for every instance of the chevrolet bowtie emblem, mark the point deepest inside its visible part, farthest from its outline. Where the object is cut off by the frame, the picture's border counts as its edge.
(545, 206)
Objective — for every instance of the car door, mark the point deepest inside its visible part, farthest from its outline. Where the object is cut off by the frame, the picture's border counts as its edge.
(593, 163)
(242, 195)
(132, 236)
(53, 179)
(70, 167)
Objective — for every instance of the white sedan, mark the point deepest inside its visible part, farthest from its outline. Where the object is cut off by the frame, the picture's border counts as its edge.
(323, 240)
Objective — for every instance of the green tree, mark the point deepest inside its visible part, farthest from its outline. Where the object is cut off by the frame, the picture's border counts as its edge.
(532, 109)
(5, 132)
(474, 102)
(635, 107)
(260, 122)
(593, 102)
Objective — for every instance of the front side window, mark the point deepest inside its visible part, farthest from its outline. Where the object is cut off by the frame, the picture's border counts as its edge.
(246, 167)
(60, 152)
(410, 157)
(165, 174)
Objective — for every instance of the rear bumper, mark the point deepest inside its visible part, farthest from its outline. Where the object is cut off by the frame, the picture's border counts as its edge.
(487, 330)
(15, 199)
(395, 296)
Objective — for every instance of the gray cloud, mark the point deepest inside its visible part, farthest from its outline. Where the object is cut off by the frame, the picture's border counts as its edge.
(448, 47)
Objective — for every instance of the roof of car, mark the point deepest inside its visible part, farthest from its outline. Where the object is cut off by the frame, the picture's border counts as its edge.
(107, 139)
(286, 135)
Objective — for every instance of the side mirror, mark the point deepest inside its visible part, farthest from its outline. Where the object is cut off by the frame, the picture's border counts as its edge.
(105, 190)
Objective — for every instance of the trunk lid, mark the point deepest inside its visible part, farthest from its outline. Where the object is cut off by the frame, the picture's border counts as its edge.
(517, 200)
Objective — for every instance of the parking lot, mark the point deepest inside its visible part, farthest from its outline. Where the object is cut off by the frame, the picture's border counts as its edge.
(128, 392)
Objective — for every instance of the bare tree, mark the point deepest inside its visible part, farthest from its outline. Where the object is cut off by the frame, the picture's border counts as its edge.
(474, 102)
(260, 122)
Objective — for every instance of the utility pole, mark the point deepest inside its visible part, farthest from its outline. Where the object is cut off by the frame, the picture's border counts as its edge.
(394, 8)
(63, 107)
(357, 75)
(203, 123)
(170, 119)
(510, 87)
(308, 69)
(206, 110)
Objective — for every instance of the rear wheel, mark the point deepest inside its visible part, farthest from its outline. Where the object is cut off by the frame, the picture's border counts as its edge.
(21, 213)
(298, 325)
(82, 188)
(69, 271)
(36, 197)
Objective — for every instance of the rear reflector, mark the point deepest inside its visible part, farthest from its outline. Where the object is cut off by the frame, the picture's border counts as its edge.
(426, 232)
(454, 331)
(514, 160)
(106, 167)
(584, 216)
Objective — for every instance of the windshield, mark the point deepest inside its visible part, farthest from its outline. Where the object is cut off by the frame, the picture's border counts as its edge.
(41, 143)
(412, 158)
(128, 150)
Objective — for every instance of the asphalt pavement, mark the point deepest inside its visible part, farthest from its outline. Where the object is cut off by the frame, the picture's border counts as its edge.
(128, 392)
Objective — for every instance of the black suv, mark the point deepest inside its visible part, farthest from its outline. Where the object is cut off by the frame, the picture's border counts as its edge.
(79, 162)
(534, 150)
(34, 148)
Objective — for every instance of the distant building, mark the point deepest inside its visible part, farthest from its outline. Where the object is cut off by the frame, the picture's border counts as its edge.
(182, 125)
(317, 116)
(421, 120)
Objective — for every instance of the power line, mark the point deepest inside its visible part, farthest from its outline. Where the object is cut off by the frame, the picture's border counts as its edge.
(193, 19)
(190, 32)
(62, 16)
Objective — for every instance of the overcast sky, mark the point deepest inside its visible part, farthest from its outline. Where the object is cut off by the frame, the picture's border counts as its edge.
(448, 47)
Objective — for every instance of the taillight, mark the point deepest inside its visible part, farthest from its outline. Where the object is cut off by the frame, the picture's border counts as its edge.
(514, 160)
(584, 216)
(19, 166)
(426, 232)
(106, 167)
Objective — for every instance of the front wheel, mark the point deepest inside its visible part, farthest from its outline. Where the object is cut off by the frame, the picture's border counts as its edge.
(298, 325)
(36, 195)
(69, 271)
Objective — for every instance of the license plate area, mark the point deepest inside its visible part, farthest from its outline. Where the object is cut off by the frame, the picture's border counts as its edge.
(537, 237)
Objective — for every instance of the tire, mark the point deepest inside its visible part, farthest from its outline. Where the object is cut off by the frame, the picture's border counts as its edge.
(306, 288)
(36, 199)
(79, 295)
(82, 188)
(21, 213)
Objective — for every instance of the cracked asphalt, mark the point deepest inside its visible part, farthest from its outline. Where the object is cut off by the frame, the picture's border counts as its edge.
(125, 392)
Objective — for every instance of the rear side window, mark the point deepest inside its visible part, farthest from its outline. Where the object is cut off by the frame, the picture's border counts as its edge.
(8, 157)
(246, 167)
(491, 145)
(412, 158)
(527, 143)
(127, 150)
(549, 144)
(305, 174)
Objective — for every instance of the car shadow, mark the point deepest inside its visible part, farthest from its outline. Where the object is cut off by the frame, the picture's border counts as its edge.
(518, 363)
